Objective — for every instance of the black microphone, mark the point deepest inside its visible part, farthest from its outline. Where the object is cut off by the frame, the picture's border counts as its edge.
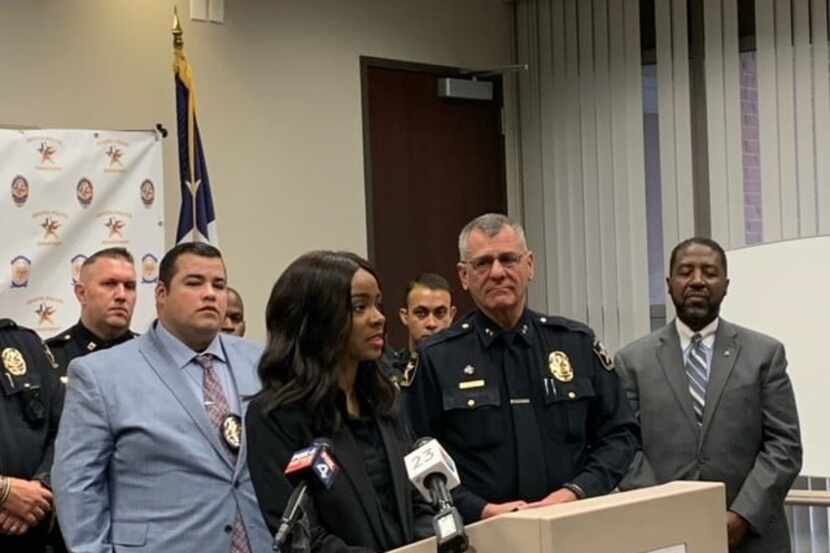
(433, 472)
(311, 464)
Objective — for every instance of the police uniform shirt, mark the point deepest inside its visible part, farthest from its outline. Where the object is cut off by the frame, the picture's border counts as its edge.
(523, 412)
(31, 400)
(78, 340)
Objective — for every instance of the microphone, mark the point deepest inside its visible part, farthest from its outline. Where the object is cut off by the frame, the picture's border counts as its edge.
(313, 463)
(432, 471)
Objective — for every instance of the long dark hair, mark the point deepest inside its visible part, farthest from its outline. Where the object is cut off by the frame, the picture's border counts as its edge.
(309, 320)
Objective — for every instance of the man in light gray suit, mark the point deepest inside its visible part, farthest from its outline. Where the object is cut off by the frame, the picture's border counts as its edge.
(149, 455)
(715, 403)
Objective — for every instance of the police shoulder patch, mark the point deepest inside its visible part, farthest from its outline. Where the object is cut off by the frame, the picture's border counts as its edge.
(50, 356)
(409, 371)
(602, 353)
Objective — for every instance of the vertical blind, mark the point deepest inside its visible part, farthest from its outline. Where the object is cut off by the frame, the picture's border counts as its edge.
(583, 161)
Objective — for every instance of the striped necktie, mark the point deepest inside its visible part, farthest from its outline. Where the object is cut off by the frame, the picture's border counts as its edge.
(698, 375)
(217, 409)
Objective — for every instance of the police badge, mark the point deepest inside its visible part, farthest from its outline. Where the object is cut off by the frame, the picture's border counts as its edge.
(232, 432)
(560, 366)
(14, 362)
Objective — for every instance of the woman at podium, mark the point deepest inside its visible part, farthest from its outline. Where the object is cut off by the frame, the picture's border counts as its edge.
(327, 408)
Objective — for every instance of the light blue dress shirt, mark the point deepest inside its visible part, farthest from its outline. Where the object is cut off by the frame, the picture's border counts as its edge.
(185, 360)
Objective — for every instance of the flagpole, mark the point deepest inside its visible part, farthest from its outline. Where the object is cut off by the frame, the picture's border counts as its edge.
(178, 53)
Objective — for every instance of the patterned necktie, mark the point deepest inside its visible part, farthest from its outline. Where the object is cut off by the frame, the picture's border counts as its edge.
(698, 375)
(217, 409)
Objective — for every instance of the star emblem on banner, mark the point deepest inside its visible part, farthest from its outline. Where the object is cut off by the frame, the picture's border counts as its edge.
(44, 313)
(50, 227)
(46, 152)
(115, 226)
(115, 155)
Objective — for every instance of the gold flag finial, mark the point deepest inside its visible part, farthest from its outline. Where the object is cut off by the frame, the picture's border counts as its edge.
(178, 43)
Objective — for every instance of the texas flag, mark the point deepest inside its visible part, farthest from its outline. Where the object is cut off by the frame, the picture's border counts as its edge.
(197, 220)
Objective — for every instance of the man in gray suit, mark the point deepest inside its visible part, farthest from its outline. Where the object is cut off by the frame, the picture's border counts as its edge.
(715, 403)
(149, 455)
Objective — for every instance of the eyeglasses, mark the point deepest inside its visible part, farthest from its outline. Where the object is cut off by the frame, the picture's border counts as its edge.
(484, 263)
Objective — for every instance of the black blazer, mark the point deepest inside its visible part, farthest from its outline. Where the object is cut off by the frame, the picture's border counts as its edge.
(347, 515)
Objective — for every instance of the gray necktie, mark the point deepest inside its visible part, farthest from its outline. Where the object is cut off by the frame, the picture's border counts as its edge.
(698, 375)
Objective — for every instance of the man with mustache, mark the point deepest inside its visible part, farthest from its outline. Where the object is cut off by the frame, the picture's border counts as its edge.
(106, 290)
(150, 452)
(715, 403)
(528, 405)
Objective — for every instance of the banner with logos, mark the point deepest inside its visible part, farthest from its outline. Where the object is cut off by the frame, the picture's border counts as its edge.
(70, 193)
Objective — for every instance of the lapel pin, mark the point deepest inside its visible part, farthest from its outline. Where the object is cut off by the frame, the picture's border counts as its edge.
(727, 353)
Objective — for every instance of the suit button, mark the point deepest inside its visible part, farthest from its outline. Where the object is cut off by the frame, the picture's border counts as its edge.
(228, 529)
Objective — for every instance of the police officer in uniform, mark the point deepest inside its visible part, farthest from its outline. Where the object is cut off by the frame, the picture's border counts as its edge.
(528, 405)
(31, 399)
(427, 310)
(106, 290)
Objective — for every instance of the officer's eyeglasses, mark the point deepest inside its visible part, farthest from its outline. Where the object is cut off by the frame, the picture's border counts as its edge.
(484, 263)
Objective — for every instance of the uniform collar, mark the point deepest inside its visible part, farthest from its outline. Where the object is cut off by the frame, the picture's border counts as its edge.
(90, 342)
(488, 331)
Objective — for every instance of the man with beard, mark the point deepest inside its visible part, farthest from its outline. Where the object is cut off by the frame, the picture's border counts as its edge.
(106, 290)
(715, 403)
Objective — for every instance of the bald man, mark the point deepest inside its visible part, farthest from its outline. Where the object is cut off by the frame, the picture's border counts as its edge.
(234, 322)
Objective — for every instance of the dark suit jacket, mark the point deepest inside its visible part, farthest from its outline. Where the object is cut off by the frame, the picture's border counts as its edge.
(347, 516)
(749, 440)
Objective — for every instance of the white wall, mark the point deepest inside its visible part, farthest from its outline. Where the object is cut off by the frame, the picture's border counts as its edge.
(279, 97)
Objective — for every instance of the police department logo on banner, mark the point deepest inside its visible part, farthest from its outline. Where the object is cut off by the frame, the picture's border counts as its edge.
(85, 192)
(21, 267)
(45, 312)
(67, 193)
(115, 224)
(148, 193)
(46, 152)
(149, 269)
(75, 265)
(51, 226)
(115, 152)
(20, 190)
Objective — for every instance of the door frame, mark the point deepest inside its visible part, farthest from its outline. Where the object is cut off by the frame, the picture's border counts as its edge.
(367, 62)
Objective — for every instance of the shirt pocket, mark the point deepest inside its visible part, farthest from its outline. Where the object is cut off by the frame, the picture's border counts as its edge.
(567, 410)
(474, 417)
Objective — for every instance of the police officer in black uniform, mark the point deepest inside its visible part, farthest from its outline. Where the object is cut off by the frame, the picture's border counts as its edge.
(31, 400)
(106, 290)
(427, 310)
(528, 405)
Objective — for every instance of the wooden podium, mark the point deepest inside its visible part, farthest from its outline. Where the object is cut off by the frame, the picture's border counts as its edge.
(679, 517)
